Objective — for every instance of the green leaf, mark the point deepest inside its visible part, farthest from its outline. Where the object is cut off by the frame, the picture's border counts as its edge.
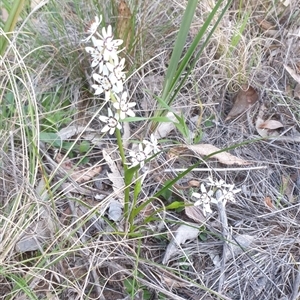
(174, 79)
(51, 138)
(179, 46)
(176, 205)
(11, 22)
(167, 194)
(84, 147)
(238, 35)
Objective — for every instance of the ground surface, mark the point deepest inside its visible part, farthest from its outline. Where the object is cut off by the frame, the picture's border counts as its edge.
(58, 237)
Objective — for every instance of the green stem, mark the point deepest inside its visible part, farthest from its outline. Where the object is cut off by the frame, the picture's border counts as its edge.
(11, 22)
(127, 178)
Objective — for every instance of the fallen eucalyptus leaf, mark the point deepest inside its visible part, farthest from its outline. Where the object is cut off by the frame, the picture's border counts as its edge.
(292, 73)
(195, 213)
(222, 157)
(36, 234)
(246, 97)
(77, 174)
(183, 233)
(239, 245)
(164, 128)
(266, 128)
(115, 210)
(115, 176)
(69, 131)
(271, 124)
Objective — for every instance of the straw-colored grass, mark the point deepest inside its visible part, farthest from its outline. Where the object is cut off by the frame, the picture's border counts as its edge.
(73, 251)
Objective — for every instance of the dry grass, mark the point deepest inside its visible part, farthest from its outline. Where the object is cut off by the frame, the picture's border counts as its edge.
(74, 252)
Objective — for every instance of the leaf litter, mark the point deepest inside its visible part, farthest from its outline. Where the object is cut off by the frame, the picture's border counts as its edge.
(274, 249)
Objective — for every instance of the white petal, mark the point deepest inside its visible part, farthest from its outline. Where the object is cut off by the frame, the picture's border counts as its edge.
(97, 77)
(122, 115)
(130, 113)
(112, 130)
(132, 104)
(106, 128)
(124, 96)
(196, 195)
(95, 63)
(103, 118)
(90, 50)
(116, 105)
(109, 30)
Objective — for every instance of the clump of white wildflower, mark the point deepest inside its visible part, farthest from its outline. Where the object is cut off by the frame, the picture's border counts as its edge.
(205, 197)
(109, 78)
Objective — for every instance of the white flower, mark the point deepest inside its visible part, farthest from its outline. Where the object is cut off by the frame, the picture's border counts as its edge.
(97, 56)
(205, 198)
(93, 28)
(221, 184)
(108, 44)
(123, 106)
(204, 202)
(229, 195)
(112, 122)
(117, 69)
(138, 157)
(152, 145)
(105, 86)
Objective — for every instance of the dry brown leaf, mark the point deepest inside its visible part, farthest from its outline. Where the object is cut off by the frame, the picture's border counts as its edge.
(238, 246)
(176, 152)
(268, 202)
(115, 176)
(288, 188)
(171, 282)
(85, 175)
(77, 174)
(39, 232)
(292, 73)
(264, 24)
(223, 157)
(164, 128)
(194, 213)
(297, 91)
(246, 97)
(266, 128)
(124, 27)
(183, 233)
(270, 124)
(69, 131)
(194, 183)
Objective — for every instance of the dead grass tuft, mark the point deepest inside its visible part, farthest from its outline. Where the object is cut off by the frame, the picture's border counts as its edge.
(74, 250)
